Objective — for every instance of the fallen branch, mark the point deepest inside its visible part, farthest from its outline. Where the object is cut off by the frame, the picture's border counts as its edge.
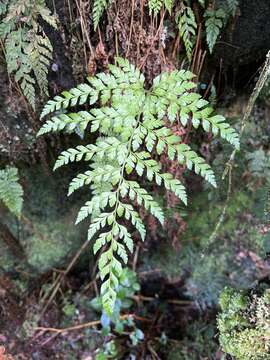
(87, 325)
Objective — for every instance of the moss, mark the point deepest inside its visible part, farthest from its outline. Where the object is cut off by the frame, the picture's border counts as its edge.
(244, 325)
(203, 222)
(52, 243)
(212, 266)
(47, 231)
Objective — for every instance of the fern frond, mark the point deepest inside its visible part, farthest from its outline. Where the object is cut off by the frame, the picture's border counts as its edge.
(98, 223)
(11, 192)
(133, 216)
(39, 53)
(95, 205)
(125, 236)
(27, 86)
(76, 96)
(169, 5)
(28, 50)
(107, 174)
(67, 122)
(77, 154)
(232, 6)
(129, 119)
(175, 186)
(187, 28)
(219, 126)
(188, 106)
(192, 160)
(214, 22)
(143, 162)
(155, 6)
(134, 191)
(167, 142)
(45, 13)
(98, 8)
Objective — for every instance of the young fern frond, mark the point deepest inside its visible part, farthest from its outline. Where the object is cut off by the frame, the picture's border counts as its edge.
(11, 192)
(132, 123)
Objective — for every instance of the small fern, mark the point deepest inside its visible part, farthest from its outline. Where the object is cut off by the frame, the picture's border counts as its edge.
(187, 28)
(156, 5)
(11, 192)
(28, 49)
(132, 123)
(214, 22)
(98, 8)
(232, 6)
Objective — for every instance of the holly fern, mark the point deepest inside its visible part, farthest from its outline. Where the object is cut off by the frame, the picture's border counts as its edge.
(133, 124)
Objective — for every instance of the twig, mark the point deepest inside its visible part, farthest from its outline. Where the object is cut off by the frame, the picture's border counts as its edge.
(135, 260)
(84, 29)
(131, 26)
(86, 325)
(71, 328)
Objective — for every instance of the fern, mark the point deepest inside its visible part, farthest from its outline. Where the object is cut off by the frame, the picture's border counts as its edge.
(187, 28)
(214, 22)
(98, 8)
(232, 6)
(11, 192)
(156, 5)
(28, 50)
(132, 124)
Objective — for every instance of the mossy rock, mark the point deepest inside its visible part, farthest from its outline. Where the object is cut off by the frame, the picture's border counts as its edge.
(53, 243)
(244, 324)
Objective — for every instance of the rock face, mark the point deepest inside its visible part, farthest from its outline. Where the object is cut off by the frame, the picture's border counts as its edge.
(247, 39)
